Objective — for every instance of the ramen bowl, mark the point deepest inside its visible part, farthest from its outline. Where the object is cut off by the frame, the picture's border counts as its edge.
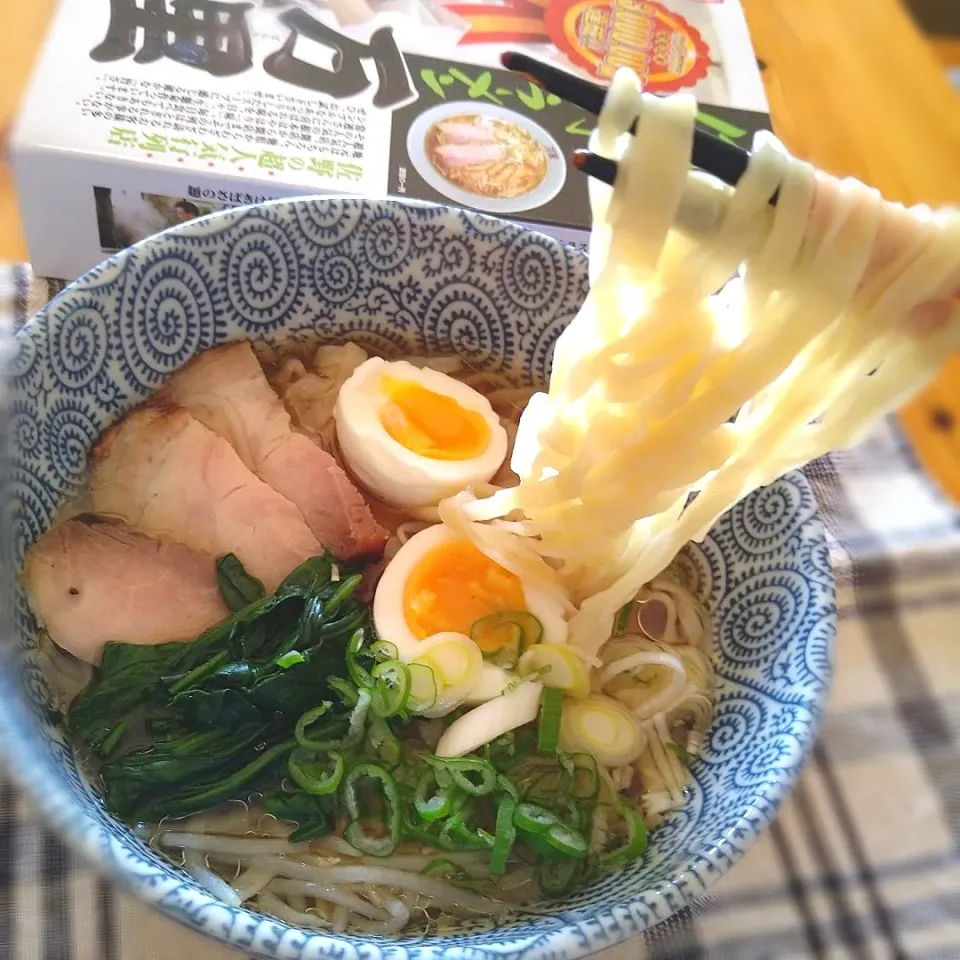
(421, 149)
(400, 278)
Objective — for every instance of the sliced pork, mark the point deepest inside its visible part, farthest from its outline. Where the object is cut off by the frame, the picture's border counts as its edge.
(459, 132)
(92, 583)
(467, 154)
(225, 389)
(162, 471)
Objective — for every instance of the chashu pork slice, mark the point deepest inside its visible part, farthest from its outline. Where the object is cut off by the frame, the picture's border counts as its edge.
(90, 583)
(162, 471)
(226, 390)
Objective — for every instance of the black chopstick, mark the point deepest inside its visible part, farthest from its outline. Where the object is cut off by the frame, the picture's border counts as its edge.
(725, 161)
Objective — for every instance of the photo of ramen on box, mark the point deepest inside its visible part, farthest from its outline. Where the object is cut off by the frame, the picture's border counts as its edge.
(487, 157)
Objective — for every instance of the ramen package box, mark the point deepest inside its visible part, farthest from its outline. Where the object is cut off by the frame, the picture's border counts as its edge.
(145, 113)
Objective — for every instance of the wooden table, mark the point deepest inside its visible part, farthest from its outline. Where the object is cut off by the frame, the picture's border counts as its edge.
(853, 88)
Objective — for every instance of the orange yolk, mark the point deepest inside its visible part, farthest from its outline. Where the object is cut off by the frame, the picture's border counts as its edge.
(453, 586)
(430, 424)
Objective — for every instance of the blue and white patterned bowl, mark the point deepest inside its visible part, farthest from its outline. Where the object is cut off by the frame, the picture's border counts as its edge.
(428, 280)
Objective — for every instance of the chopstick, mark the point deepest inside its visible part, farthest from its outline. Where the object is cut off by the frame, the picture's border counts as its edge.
(725, 161)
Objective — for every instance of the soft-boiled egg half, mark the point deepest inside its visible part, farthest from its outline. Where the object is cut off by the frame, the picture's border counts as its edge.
(440, 584)
(413, 436)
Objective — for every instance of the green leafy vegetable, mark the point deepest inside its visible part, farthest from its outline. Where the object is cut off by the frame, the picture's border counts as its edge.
(228, 700)
(237, 587)
(307, 812)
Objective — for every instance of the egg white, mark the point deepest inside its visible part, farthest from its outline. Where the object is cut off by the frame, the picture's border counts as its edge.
(385, 467)
(388, 612)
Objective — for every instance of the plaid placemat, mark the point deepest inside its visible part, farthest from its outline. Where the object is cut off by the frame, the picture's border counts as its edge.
(864, 859)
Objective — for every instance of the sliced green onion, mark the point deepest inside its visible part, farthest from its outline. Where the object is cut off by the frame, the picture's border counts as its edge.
(383, 744)
(506, 835)
(358, 720)
(358, 673)
(506, 633)
(432, 805)
(575, 812)
(548, 730)
(602, 727)
(354, 833)
(556, 877)
(636, 841)
(308, 719)
(566, 840)
(675, 748)
(585, 782)
(623, 617)
(456, 835)
(506, 785)
(423, 687)
(462, 770)
(290, 659)
(534, 819)
(311, 776)
(545, 787)
(344, 689)
(391, 688)
(384, 650)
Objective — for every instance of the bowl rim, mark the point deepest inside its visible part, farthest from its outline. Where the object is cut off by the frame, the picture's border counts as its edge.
(58, 810)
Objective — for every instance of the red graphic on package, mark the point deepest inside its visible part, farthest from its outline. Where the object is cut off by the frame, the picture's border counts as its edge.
(600, 36)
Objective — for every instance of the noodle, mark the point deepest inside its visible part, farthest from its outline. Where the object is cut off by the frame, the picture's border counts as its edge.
(649, 374)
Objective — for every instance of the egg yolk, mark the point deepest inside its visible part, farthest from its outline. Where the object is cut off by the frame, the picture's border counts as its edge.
(430, 424)
(453, 586)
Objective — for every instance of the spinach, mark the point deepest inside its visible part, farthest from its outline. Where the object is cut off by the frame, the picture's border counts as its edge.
(129, 675)
(225, 704)
(310, 814)
(237, 587)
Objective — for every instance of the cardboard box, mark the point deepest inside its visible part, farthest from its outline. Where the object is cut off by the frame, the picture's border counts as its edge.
(144, 113)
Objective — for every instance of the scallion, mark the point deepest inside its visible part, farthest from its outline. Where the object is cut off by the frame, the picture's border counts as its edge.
(473, 776)
(635, 843)
(391, 687)
(382, 743)
(355, 834)
(505, 835)
(548, 729)
(308, 719)
(290, 659)
(310, 775)
(358, 673)
(432, 804)
(567, 841)
(534, 819)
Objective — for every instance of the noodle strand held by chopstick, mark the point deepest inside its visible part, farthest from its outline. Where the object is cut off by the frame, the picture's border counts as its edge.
(660, 390)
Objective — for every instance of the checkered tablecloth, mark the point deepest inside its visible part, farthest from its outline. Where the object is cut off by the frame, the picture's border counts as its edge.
(864, 859)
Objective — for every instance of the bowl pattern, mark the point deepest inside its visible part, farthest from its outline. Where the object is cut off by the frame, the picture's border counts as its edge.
(401, 278)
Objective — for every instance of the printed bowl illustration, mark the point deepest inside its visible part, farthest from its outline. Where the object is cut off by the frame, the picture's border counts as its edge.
(400, 278)
(484, 156)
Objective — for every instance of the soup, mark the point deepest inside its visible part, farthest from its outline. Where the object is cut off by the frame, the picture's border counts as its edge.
(487, 157)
